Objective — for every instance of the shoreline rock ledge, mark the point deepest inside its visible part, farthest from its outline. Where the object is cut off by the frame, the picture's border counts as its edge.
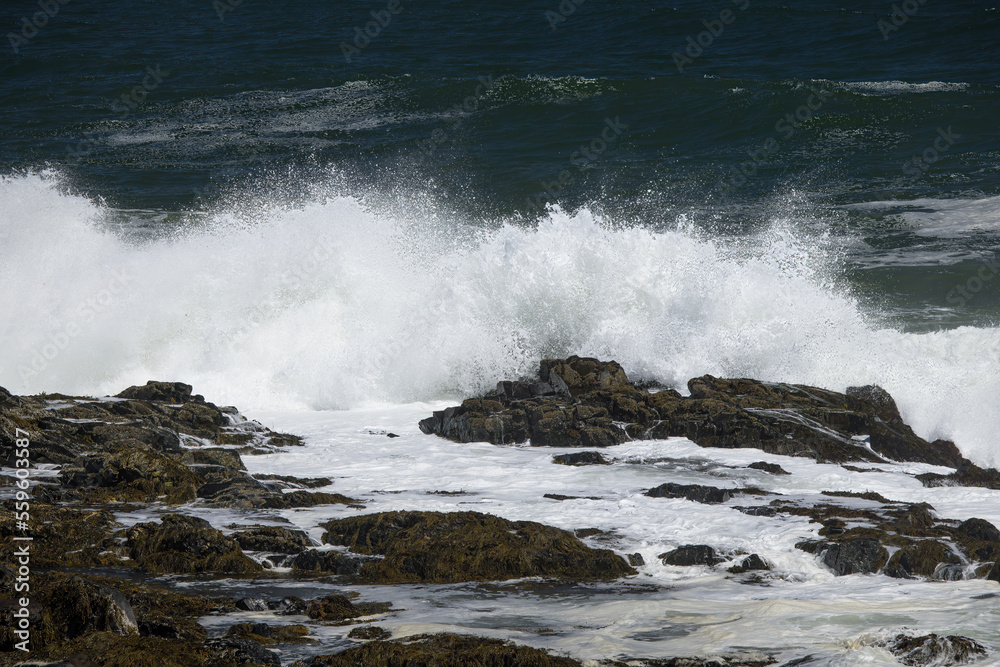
(585, 402)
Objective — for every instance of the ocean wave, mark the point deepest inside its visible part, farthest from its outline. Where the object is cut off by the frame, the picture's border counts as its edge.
(898, 87)
(338, 303)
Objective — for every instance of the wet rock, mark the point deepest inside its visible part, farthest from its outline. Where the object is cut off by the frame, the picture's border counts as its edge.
(302, 482)
(967, 474)
(332, 562)
(772, 468)
(750, 563)
(921, 559)
(691, 554)
(272, 538)
(64, 537)
(233, 649)
(186, 545)
(130, 475)
(936, 650)
(580, 459)
(333, 608)
(82, 606)
(636, 560)
(862, 555)
(165, 392)
(252, 604)
(756, 510)
(369, 632)
(588, 403)
(559, 496)
(441, 649)
(708, 495)
(452, 547)
(268, 635)
(213, 456)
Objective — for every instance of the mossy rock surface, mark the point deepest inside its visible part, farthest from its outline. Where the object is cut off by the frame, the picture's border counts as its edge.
(63, 536)
(441, 650)
(468, 546)
(186, 545)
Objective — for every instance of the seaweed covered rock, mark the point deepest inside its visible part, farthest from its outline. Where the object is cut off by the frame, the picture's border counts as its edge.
(158, 417)
(83, 606)
(186, 545)
(130, 475)
(267, 635)
(272, 538)
(239, 650)
(327, 562)
(441, 649)
(935, 650)
(584, 402)
(922, 558)
(63, 536)
(468, 546)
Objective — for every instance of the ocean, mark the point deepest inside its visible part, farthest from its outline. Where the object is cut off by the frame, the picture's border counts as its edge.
(341, 216)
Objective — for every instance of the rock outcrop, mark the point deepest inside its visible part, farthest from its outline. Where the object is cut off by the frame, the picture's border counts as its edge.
(584, 402)
(452, 547)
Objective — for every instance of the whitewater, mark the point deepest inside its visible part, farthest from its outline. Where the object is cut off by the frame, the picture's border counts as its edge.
(354, 301)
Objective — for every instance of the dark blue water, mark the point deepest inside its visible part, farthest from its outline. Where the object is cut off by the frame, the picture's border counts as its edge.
(838, 115)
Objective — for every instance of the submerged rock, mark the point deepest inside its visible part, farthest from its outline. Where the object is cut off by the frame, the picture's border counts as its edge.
(453, 547)
(580, 459)
(772, 468)
(186, 545)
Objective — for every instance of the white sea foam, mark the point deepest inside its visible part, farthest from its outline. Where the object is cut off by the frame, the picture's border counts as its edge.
(944, 218)
(335, 304)
(895, 87)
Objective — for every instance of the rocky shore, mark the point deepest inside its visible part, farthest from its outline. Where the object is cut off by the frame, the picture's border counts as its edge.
(101, 590)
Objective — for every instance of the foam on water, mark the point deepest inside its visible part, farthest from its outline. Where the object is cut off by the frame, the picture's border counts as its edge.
(335, 303)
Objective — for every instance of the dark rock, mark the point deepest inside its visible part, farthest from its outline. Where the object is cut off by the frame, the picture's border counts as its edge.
(161, 629)
(691, 554)
(213, 456)
(880, 403)
(936, 650)
(708, 495)
(580, 459)
(584, 402)
(166, 392)
(862, 555)
(772, 468)
(333, 608)
(636, 560)
(750, 563)
(332, 562)
(272, 538)
(369, 632)
(757, 510)
(84, 607)
(268, 635)
(252, 604)
(468, 546)
(242, 651)
(442, 649)
(186, 545)
(921, 559)
(583, 533)
(559, 496)
(967, 474)
(305, 482)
